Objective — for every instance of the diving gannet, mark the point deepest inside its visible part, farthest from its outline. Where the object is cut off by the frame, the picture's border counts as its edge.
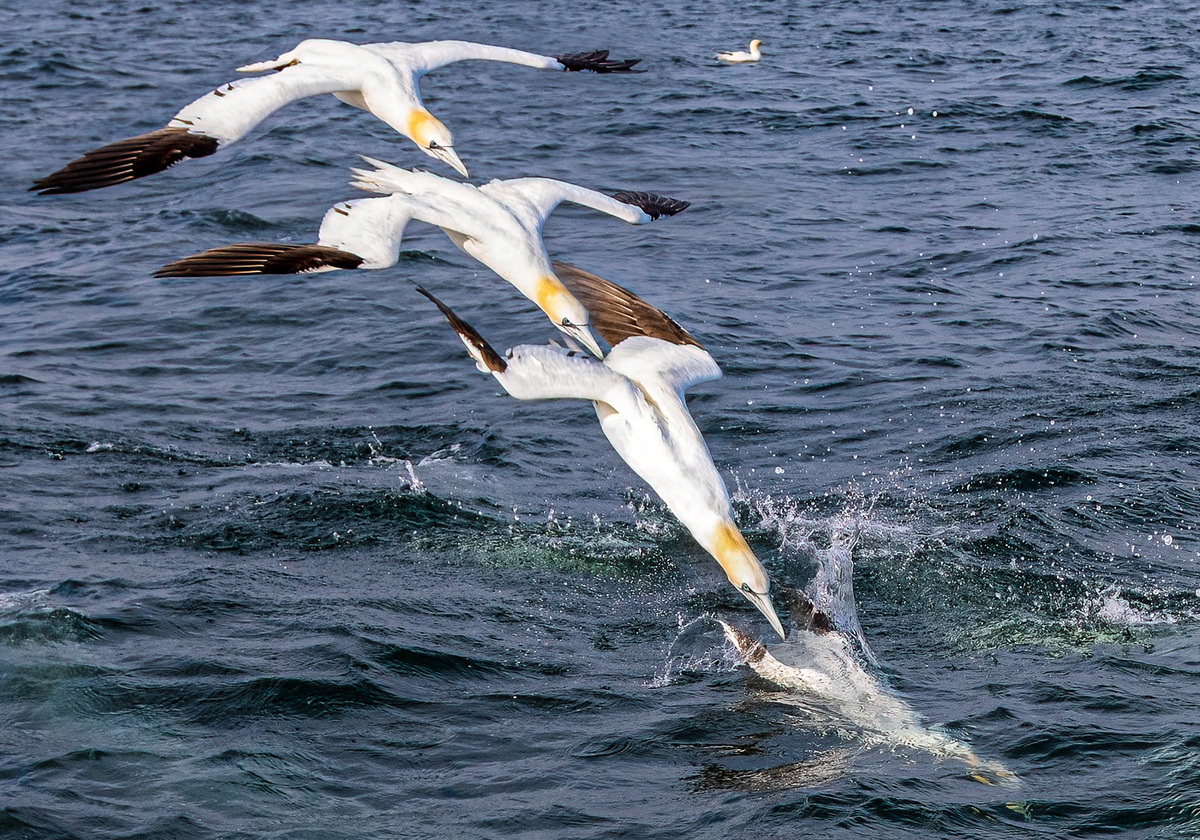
(379, 78)
(637, 392)
(499, 224)
(741, 57)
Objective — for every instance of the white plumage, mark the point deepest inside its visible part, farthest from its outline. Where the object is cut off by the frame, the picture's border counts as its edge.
(379, 78)
(499, 224)
(638, 394)
(741, 57)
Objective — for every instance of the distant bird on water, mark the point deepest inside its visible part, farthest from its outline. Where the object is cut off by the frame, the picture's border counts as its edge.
(499, 224)
(638, 393)
(379, 78)
(740, 57)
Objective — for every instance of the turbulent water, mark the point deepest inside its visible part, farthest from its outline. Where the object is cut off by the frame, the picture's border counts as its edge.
(276, 561)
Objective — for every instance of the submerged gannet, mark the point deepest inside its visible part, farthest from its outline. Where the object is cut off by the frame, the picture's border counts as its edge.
(638, 395)
(499, 224)
(826, 678)
(380, 78)
(740, 57)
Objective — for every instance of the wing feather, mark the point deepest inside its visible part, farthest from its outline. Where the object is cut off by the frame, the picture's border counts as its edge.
(617, 313)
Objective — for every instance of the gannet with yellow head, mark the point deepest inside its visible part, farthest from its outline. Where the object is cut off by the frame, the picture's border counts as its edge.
(382, 79)
(499, 224)
(638, 393)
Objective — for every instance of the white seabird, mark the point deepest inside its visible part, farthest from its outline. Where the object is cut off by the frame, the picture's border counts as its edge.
(499, 224)
(379, 78)
(638, 393)
(741, 57)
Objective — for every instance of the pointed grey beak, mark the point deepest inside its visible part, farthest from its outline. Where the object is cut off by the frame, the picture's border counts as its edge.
(447, 155)
(583, 334)
(763, 602)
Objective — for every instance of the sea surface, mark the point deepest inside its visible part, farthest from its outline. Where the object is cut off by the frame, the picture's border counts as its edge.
(276, 561)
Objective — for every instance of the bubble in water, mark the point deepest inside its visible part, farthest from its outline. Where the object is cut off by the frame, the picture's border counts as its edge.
(779, 471)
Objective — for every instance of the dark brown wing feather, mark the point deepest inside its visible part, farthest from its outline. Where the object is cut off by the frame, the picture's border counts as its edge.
(618, 313)
(127, 159)
(596, 61)
(805, 613)
(479, 349)
(651, 204)
(259, 258)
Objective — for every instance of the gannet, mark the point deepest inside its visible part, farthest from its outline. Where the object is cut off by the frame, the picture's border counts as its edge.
(818, 667)
(380, 78)
(637, 392)
(740, 57)
(499, 224)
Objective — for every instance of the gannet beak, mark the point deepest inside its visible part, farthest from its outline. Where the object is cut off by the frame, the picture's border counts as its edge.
(583, 334)
(762, 600)
(447, 155)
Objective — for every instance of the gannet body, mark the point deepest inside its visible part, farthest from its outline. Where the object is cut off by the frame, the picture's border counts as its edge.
(499, 224)
(379, 78)
(638, 394)
(741, 57)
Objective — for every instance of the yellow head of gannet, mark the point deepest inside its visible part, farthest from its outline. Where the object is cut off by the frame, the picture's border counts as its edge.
(434, 139)
(566, 312)
(743, 569)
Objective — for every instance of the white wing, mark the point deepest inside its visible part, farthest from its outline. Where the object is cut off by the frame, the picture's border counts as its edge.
(657, 364)
(552, 373)
(534, 199)
(423, 57)
(232, 110)
(372, 228)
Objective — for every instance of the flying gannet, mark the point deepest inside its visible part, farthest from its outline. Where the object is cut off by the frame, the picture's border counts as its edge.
(380, 78)
(638, 393)
(741, 57)
(499, 224)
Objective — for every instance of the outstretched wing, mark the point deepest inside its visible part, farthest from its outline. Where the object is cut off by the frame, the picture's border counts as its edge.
(536, 198)
(485, 356)
(213, 121)
(124, 160)
(543, 373)
(259, 258)
(421, 58)
(648, 346)
(618, 313)
(354, 234)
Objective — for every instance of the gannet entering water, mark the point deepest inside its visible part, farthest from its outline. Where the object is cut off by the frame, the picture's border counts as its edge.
(741, 57)
(638, 395)
(825, 676)
(499, 224)
(379, 78)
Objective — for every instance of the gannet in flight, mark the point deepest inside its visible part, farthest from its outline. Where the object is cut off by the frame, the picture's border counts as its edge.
(380, 78)
(741, 57)
(499, 224)
(638, 393)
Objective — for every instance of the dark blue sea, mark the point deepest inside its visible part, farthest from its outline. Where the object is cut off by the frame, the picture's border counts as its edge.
(276, 561)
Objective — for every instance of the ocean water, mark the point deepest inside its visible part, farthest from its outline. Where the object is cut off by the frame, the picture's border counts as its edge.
(276, 561)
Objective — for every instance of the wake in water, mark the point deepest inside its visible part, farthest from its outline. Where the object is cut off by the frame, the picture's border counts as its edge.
(825, 667)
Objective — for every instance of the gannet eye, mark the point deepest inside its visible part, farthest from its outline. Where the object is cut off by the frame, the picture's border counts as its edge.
(566, 322)
(746, 587)
(433, 144)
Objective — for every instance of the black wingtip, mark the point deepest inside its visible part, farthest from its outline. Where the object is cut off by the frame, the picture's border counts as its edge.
(654, 206)
(596, 61)
(125, 160)
(259, 258)
(479, 349)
